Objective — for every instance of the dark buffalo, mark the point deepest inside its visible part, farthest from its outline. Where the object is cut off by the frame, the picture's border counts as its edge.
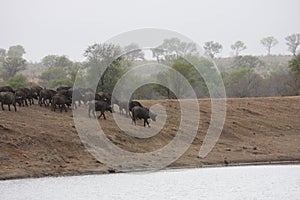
(142, 113)
(78, 96)
(101, 106)
(63, 88)
(21, 97)
(67, 93)
(133, 104)
(8, 98)
(6, 89)
(35, 90)
(103, 96)
(28, 93)
(89, 95)
(123, 106)
(46, 94)
(60, 101)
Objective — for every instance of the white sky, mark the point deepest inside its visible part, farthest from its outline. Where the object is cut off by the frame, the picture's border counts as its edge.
(67, 27)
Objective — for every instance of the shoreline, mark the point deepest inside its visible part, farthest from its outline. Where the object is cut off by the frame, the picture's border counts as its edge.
(86, 173)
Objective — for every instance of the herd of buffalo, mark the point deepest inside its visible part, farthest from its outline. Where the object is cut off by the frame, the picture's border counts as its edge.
(65, 97)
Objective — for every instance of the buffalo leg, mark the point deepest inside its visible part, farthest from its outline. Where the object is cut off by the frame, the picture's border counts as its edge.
(9, 107)
(66, 110)
(2, 106)
(146, 122)
(89, 113)
(93, 113)
(100, 115)
(15, 107)
(133, 121)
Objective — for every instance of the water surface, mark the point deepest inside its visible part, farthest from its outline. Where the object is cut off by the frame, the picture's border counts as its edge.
(251, 182)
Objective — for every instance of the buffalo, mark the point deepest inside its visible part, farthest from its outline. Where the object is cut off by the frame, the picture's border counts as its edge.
(35, 90)
(46, 94)
(103, 96)
(123, 105)
(61, 101)
(28, 94)
(21, 97)
(63, 88)
(6, 89)
(142, 113)
(78, 96)
(101, 106)
(133, 104)
(8, 98)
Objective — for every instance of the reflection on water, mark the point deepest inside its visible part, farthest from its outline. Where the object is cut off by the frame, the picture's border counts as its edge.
(254, 182)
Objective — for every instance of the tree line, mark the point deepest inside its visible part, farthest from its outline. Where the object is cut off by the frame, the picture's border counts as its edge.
(243, 76)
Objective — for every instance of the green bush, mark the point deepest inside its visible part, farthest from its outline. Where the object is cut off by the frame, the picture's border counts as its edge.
(60, 82)
(17, 81)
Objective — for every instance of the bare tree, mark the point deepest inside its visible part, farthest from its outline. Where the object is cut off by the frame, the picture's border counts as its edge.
(173, 48)
(269, 42)
(212, 48)
(134, 52)
(293, 41)
(238, 46)
(2, 52)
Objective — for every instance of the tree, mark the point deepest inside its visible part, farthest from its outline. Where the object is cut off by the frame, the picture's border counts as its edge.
(268, 43)
(105, 59)
(174, 79)
(63, 61)
(12, 65)
(243, 83)
(49, 61)
(16, 51)
(212, 48)
(51, 75)
(134, 52)
(105, 53)
(247, 62)
(238, 46)
(157, 53)
(174, 48)
(112, 74)
(56, 61)
(282, 83)
(294, 83)
(294, 64)
(293, 41)
(72, 70)
(2, 57)
(2, 52)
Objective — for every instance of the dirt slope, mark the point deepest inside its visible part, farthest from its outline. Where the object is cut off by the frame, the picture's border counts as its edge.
(35, 141)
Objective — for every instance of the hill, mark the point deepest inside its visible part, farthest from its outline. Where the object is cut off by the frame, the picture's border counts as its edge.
(37, 142)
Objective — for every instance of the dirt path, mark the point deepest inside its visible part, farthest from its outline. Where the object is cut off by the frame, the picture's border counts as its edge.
(35, 141)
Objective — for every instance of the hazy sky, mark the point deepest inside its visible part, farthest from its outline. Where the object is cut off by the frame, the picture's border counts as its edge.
(65, 27)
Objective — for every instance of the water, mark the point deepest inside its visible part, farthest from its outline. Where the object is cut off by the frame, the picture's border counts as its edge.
(253, 182)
